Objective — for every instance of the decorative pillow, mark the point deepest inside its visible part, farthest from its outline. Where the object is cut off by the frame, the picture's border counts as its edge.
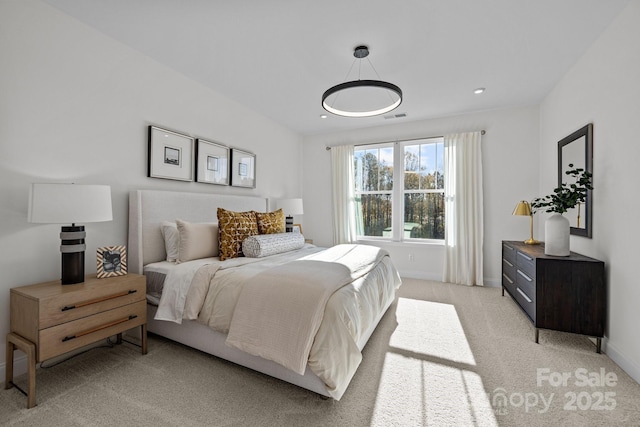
(234, 228)
(197, 240)
(270, 244)
(171, 237)
(270, 222)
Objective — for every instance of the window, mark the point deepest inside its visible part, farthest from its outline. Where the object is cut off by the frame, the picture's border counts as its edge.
(413, 210)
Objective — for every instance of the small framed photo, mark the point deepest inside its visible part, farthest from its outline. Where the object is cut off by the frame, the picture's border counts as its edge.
(112, 261)
(212, 163)
(243, 169)
(170, 155)
(297, 228)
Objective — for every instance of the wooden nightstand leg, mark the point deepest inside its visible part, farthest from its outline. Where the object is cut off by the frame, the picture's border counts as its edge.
(8, 373)
(143, 332)
(598, 345)
(537, 334)
(16, 341)
(119, 339)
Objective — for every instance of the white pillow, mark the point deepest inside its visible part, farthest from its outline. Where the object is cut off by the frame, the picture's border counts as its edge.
(170, 234)
(197, 240)
(263, 245)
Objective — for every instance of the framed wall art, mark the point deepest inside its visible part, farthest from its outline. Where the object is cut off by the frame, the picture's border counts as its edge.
(212, 162)
(243, 169)
(170, 155)
(111, 261)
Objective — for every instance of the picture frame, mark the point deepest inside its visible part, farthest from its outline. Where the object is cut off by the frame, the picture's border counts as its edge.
(297, 228)
(111, 261)
(212, 162)
(170, 155)
(243, 169)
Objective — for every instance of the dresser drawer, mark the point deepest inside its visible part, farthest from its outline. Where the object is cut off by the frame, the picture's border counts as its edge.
(526, 283)
(72, 335)
(87, 299)
(526, 263)
(525, 301)
(509, 253)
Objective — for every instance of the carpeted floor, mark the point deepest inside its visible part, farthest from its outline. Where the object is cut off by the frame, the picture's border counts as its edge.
(443, 355)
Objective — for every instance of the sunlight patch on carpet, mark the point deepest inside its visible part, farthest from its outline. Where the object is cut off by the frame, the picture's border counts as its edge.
(428, 371)
(430, 394)
(431, 329)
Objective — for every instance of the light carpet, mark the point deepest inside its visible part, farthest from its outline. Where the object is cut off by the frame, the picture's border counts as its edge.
(443, 355)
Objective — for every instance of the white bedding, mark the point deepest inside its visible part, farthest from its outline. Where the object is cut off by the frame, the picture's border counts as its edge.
(213, 292)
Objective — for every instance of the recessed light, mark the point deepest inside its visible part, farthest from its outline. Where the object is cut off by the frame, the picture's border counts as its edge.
(323, 116)
(479, 90)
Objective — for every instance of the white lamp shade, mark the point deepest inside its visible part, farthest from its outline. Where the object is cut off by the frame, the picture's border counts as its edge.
(69, 203)
(290, 206)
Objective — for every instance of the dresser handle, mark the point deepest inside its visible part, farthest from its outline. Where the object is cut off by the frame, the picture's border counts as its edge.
(529, 279)
(508, 247)
(510, 265)
(507, 277)
(90, 331)
(97, 300)
(528, 258)
(523, 294)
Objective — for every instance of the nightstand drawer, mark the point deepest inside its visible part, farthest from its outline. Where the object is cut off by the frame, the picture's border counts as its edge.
(72, 335)
(87, 299)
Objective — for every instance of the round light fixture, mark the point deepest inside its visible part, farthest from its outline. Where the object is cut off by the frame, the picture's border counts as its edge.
(479, 90)
(362, 98)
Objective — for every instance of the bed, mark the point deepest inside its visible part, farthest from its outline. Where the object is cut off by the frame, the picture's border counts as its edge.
(347, 309)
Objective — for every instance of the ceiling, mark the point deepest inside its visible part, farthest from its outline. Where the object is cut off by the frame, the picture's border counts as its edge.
(277, 57)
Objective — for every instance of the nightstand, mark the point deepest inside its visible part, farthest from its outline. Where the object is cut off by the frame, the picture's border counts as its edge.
(50, 319)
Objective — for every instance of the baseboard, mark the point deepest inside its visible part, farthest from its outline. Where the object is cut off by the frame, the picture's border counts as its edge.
(626, 364)
(422, 275)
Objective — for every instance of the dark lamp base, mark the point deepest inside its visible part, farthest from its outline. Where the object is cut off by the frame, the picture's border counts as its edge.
(72, 247)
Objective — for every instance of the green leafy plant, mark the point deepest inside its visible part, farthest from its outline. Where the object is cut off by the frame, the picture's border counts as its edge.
(566, 196)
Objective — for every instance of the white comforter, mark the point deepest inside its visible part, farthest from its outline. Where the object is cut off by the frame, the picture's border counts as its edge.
(351, 309)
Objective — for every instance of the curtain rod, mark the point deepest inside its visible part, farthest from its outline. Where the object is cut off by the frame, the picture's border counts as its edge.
(482, 132)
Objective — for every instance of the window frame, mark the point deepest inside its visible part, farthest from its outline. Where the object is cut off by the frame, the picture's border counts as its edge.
(398, 191)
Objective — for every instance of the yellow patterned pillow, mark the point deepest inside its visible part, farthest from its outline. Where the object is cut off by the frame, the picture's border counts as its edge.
(270, 222)
(234, 227)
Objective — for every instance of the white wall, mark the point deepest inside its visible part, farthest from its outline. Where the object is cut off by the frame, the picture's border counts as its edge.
(510, 153)
(603, 88)
(75, 106)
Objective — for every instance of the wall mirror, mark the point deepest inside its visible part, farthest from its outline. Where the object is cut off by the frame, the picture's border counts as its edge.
(577, 149)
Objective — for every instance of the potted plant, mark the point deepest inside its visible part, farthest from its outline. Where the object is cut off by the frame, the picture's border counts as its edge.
(564, 197)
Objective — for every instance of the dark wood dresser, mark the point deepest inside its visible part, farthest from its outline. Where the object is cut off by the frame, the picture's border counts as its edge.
(565, 294)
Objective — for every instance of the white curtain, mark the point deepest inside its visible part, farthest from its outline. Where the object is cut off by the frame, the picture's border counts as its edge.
(344, 207)
(463, 209)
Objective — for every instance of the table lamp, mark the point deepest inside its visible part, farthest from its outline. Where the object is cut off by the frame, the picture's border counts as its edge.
(70, 204)
(290, 207)
(523, 208)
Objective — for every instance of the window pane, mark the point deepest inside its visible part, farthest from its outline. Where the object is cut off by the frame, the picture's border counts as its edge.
(386, 169)
(412, 167)
(374, 169)
(376, 214)
(424, 216)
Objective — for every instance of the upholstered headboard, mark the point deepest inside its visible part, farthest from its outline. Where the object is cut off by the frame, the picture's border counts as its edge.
(149, 208)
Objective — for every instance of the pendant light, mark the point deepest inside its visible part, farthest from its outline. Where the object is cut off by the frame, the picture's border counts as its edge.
(362, 98)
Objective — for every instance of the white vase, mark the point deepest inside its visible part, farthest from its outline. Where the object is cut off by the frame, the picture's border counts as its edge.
(556, 235)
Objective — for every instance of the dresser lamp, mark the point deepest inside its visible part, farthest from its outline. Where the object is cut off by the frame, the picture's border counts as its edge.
(524, 209)
(70, 204)
(290, 207)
